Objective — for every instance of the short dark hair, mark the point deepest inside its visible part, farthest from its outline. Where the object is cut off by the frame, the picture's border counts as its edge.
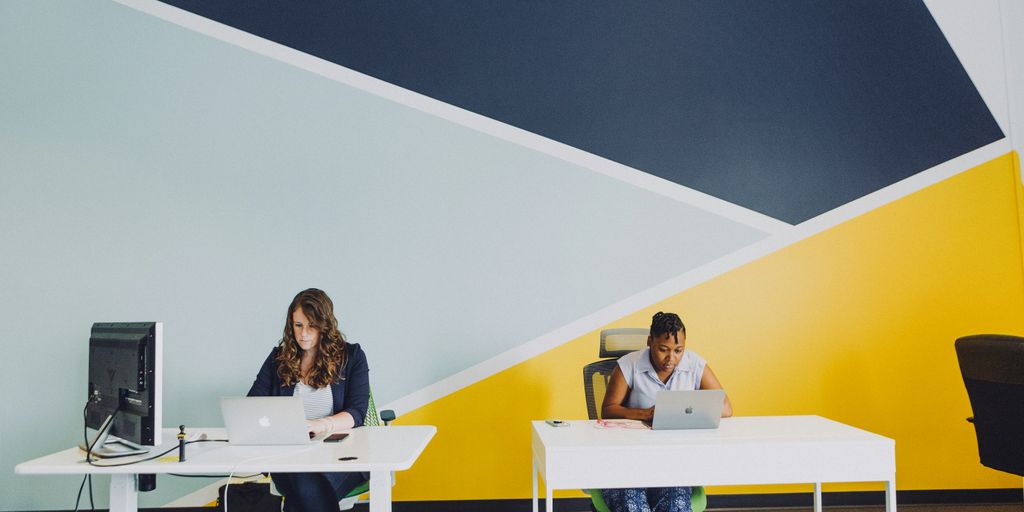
(666, 323)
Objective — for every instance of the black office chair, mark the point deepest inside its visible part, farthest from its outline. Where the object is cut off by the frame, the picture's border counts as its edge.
(992, 366)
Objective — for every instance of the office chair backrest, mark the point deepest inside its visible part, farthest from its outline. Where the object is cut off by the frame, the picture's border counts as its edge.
(992, 366)
(595, 384)
(615, 343)
(372, 419)
(619, 342)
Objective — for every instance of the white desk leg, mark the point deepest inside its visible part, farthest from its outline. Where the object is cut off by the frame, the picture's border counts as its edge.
(380, 491)
(124, 494)
(817, 496)
(549, 505)
(890, 495)
(533, 471)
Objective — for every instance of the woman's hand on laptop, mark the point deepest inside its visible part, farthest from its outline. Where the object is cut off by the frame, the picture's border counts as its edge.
(646, 414)
(341, 421)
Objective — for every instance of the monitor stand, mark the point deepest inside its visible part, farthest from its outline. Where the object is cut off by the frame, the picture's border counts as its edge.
(105, 446)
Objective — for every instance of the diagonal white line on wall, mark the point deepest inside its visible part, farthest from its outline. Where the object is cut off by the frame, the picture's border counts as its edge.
(457, 115)
(696, 276)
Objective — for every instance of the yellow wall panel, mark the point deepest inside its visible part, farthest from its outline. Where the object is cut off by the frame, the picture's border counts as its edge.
(856, 323)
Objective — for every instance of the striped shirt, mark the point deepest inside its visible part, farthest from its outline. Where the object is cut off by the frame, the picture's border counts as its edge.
(318, 403)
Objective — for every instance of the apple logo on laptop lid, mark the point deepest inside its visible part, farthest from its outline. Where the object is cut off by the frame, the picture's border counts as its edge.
(689, 409)
(264, 422)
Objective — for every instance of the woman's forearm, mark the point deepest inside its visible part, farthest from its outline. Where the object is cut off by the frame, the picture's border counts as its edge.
(618, 411)
(341, 421)
(334, 423)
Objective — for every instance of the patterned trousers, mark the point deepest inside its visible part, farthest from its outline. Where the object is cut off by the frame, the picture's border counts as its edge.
(654, 499)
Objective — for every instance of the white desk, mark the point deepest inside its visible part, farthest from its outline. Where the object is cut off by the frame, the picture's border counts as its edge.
(743, 450)
(379, 451)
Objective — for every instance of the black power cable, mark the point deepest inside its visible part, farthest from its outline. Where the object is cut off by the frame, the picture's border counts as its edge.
(80, 487)
(88, 454)
(90, 446)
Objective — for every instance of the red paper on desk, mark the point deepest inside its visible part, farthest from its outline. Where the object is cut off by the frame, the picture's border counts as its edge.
(622, 424)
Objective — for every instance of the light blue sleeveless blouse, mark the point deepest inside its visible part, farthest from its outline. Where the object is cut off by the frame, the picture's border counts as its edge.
(643, 380)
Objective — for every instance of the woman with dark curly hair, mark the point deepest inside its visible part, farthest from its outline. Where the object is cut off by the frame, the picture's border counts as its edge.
(314, 361)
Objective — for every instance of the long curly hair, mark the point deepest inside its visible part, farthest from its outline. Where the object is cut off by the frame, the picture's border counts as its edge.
(330, 359)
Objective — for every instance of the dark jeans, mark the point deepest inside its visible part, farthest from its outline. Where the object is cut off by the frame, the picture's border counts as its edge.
(654, 499)
(315, 492)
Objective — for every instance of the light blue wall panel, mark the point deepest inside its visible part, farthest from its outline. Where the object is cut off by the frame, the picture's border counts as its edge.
(150, 173)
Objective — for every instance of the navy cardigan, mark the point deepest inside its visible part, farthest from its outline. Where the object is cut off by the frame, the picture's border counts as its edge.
(351, 392)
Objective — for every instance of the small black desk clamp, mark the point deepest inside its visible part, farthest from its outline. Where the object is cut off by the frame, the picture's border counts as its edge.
(181, 443)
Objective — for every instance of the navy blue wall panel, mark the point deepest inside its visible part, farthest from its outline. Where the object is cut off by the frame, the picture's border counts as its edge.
(790, 108)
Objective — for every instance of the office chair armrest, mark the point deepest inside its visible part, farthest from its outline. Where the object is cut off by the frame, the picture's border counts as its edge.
(970, 419)
(387, 416)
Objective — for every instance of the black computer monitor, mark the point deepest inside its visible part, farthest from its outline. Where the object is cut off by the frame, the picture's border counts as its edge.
(125, 381)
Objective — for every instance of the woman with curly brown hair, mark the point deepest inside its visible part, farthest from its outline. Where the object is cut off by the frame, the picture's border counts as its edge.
(314, 361)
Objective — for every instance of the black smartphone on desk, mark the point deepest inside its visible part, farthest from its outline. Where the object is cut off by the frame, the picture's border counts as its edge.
(334, 438)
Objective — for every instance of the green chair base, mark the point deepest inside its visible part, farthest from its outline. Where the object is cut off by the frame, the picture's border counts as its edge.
(698, 500)
(362, 488)
(352, 497)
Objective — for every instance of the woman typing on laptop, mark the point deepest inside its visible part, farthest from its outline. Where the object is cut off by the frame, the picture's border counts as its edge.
(664, 365)
(315, 362)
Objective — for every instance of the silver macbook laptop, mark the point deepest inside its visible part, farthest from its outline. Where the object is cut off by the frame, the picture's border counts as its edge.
(675, 410)
(266, 420)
